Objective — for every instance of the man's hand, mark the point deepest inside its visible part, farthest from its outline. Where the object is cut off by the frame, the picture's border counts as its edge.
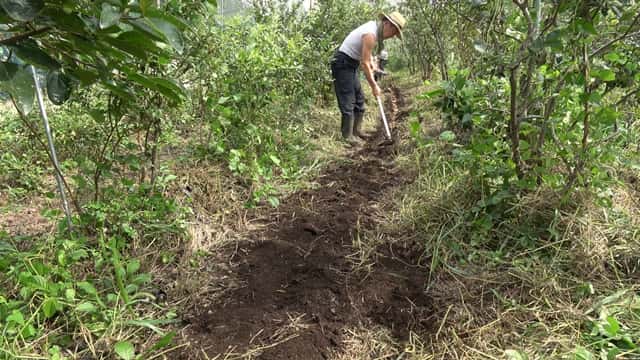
(375, 89)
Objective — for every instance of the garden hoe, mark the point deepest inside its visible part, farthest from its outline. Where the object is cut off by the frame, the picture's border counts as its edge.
(387, 134)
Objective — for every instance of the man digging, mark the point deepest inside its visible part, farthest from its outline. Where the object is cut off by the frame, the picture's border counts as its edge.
(358, 47)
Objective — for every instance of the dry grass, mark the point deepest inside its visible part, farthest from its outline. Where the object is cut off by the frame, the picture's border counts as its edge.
(498, 296)
(544, 278)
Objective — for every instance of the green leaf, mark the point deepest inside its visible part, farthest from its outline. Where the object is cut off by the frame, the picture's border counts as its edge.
(170, 32)
(139, 40)
(8, 70)
(145, 5)
(30, 52)
(433, 93)
(613, 353)
(130, 48)
(516, 355)
(273, 201)
(22, 89)
(50, 307)
(119, 89)
(109, 16)
(554, 39)
(613, 57)
(133, 266)
(586, 27)
(87, 288)
(414, 128)
(274, 159)
(136, 48)
(125, 350)
(603, 74)
(22, 10)
(86, 307)
(28, 331)
(146, 27)
(58, 87)
(447, 136)
(176, 21)
(141, 279)
(67, 21)
(16, 317)
(213, 2)
(85, 77)
(164, 341)
(70, 294)
(583, 354)
(611, 327)
(166, 87)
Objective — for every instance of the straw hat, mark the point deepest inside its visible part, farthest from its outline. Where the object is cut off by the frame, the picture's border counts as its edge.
(396, 19)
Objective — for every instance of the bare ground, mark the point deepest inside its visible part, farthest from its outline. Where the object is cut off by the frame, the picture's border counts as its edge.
(297, 285)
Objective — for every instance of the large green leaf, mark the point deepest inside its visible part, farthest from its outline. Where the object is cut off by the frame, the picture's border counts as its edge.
(163, 86)
(7, 70)
(119, 89)
(58, 87)
(50, 307)
(109, 16)
(170, 32)
(139, 40)
(85, 77)
(128, 47)
(169, 88)
(22, 89)
(603, 74)
(135, 43)
(146, 27)
(58, 18)
(29, 52)
(162, 27)
(176, 21)
(22, 10)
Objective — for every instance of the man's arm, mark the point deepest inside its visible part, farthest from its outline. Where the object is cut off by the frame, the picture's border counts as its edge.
(368, 43)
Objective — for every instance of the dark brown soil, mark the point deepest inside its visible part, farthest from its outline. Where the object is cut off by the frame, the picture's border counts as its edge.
(298, 268)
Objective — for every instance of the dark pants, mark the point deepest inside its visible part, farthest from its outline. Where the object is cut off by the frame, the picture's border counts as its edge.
(347, 84)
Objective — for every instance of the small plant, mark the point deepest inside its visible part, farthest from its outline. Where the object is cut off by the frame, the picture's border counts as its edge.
(614, 333)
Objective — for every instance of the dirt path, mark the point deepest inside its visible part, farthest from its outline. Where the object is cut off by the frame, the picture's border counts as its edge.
(298, 291)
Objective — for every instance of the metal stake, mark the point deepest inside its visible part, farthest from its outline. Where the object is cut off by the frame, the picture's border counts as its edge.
(52, 149)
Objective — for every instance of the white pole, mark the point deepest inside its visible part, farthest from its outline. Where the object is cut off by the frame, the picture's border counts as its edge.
(52, 149)
(384, 119)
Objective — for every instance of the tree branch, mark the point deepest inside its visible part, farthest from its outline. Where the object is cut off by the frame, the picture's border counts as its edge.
(613, 41)
(37, 138)
(627, 96)
(13, 40)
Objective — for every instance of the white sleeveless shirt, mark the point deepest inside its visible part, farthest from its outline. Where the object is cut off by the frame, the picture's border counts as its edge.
(352, 45)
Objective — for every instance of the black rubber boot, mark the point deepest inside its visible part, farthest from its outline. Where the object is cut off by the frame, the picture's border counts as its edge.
(358, 119)
(347, 130)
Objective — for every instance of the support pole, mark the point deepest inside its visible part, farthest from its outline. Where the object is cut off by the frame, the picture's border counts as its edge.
(52, 149)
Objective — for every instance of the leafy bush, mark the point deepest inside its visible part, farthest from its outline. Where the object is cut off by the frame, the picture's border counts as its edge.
(257, 78)
(63, 294)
